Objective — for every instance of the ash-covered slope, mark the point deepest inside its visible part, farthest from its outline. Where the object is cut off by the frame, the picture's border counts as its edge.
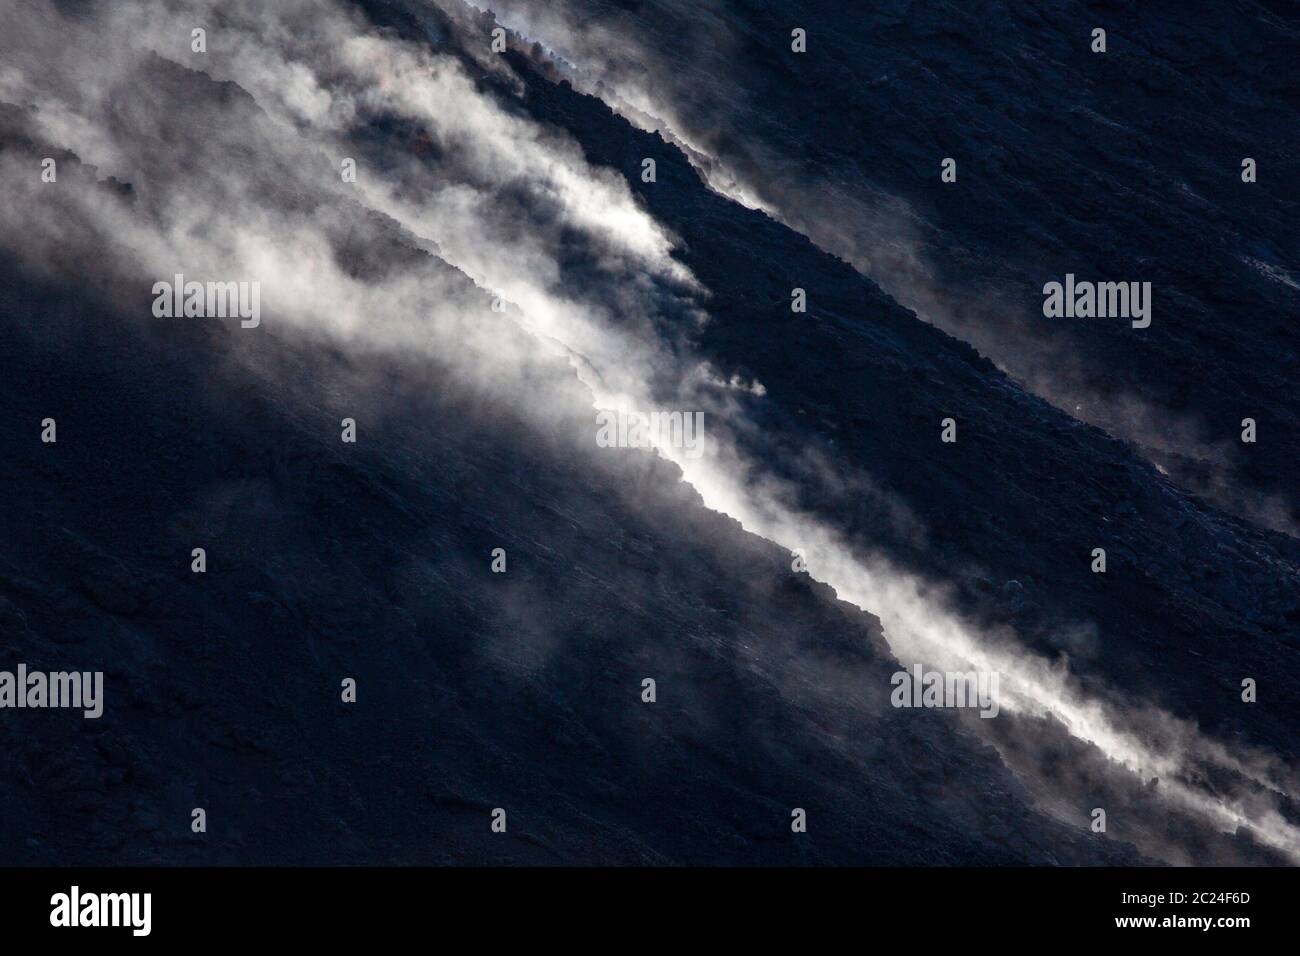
(475, 690)
(1024, 494)
(522, 690)
(1122, 165)
(1010, 514)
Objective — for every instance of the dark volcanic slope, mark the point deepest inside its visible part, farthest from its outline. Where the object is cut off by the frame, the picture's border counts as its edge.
(1026, 492)
(1123, 165)
(476, 690)
(522, 690)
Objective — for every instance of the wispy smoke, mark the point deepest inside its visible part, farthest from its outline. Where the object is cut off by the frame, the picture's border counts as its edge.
(233, 164)
(637, 73)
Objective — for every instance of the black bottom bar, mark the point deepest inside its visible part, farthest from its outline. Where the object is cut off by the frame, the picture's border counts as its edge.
(339, 905)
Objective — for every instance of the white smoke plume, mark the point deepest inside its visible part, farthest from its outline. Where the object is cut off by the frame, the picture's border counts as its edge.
(880, 235)
(492, 211)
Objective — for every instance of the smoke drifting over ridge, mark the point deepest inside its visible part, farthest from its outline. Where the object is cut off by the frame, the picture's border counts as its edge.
(635, 62)
(495, 201)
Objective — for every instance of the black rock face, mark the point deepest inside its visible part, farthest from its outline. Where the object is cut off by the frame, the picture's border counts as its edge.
(475, 690)
(1123, 165)
(523, 690)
